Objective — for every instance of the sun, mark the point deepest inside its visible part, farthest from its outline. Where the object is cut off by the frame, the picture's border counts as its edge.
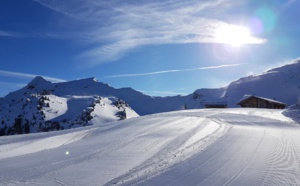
(233, 35)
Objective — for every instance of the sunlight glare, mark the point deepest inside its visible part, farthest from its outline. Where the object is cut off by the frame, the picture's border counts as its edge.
(233, 35)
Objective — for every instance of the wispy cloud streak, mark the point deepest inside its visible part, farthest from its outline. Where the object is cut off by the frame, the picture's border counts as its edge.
(173, 71)
(112, 28)
(8, 34)
(28, 76)
(163, 92)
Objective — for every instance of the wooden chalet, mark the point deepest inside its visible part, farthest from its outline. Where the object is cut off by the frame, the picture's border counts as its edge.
(260, 102)
(220, 104)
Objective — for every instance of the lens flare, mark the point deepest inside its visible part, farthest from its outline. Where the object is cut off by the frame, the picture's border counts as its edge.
(267, 18)
(256, 25)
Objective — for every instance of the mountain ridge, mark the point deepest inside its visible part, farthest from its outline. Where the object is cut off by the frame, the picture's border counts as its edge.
(45, 106)
(87, 101)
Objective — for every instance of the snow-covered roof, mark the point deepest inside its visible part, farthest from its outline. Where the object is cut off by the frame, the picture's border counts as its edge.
(246, 97)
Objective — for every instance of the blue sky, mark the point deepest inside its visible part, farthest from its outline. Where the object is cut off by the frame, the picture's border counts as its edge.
(161, 48)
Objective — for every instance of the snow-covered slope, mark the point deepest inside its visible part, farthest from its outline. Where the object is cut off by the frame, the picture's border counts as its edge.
(282, 84)
(44, 106)
(194, 147)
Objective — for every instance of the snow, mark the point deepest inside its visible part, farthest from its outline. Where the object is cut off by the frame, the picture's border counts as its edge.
(293, 113)
(31, 146)
(44, 106)
(267, 99)
(190, 147)
(58, 107)
(207, 130)
(266, 113)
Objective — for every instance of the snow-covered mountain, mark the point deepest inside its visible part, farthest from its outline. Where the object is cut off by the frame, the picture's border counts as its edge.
(282, 84)
(42, 105)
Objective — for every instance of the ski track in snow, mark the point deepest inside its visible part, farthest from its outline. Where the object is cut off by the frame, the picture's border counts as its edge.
(193, 147)
(32, 146)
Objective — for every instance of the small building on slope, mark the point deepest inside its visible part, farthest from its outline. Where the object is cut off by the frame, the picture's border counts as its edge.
(219, 104)
(260, 102)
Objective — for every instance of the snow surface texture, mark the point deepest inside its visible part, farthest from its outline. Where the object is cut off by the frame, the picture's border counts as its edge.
(293, 112)
(194, 147)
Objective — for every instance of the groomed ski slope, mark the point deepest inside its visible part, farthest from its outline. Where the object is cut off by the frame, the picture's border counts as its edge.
(194, 147)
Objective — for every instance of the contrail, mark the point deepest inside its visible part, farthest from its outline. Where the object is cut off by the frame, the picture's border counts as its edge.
(172, 71)
(28, 76)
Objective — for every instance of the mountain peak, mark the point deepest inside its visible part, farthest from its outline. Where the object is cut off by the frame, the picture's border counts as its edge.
(88, 80)
(38, 80)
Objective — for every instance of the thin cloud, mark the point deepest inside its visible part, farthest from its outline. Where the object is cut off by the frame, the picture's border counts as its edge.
(28, 76)
(8, 34)
(173, 71)
(34, 35)
(113, 28)
(162, 92)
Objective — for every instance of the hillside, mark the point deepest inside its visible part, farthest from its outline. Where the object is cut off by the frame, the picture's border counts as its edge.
(193, 147)
(282, 84)
(46, 106)
(43, 106)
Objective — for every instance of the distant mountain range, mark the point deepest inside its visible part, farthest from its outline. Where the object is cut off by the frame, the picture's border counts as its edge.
(44, 106)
